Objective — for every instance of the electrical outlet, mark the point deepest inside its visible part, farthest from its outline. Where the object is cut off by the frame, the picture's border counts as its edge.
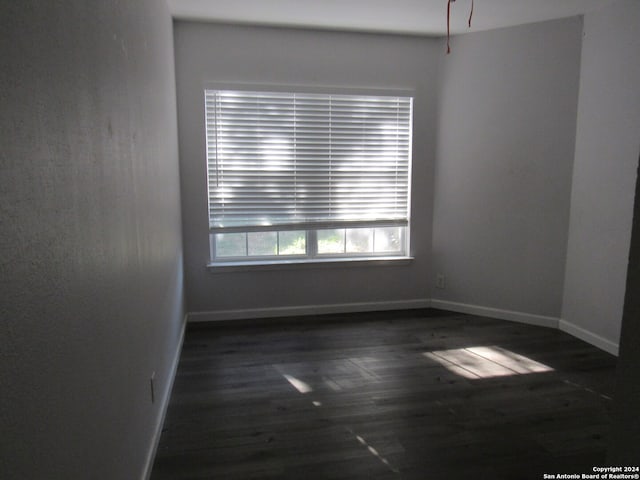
(440, 281)
(152, 385)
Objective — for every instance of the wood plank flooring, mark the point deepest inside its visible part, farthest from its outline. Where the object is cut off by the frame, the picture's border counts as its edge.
(410, 395)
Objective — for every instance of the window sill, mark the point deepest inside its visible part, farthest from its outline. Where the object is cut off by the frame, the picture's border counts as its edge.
(223, 267)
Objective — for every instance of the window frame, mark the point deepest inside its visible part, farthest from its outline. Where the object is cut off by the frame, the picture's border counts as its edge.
(311, 255)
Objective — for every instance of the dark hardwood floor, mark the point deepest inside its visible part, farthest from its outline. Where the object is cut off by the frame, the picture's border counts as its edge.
(423, 394)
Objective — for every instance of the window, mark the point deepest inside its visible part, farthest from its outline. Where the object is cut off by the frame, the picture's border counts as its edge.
(307, 176)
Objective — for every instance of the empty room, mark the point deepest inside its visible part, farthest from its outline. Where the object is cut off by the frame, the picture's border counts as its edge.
(326, 240)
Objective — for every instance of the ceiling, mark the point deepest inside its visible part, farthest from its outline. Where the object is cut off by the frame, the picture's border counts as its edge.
(422, 17)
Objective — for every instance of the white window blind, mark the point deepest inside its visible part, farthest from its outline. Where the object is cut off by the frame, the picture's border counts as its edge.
(291, 160)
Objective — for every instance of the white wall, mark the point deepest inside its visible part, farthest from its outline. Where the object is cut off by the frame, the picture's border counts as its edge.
(228, 54)
(90, 249)
(508, 101)
(606, 158)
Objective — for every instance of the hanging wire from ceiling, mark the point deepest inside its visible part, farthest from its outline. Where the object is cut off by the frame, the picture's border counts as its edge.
(449, 2)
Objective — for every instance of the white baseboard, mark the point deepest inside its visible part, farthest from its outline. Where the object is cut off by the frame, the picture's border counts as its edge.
(511, 315)
(520, 317)
(589, 337)
(242, 314)
(164, 405)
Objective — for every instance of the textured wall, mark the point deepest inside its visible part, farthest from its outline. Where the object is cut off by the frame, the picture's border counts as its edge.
(506, 135)
(228, 54)
(606, 157)
(90, 247)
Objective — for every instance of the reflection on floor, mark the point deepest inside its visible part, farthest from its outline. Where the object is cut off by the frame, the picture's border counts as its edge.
(397, 395)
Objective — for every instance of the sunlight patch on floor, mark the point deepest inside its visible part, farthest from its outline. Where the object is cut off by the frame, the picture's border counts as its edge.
(375, 453)
(486, 362)
(302, 387)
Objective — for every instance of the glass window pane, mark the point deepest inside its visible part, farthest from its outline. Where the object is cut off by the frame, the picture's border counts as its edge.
(292, 243)
(331, 241)
(231, 244)
(359, 240)
(388, 239)
(262, 243)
